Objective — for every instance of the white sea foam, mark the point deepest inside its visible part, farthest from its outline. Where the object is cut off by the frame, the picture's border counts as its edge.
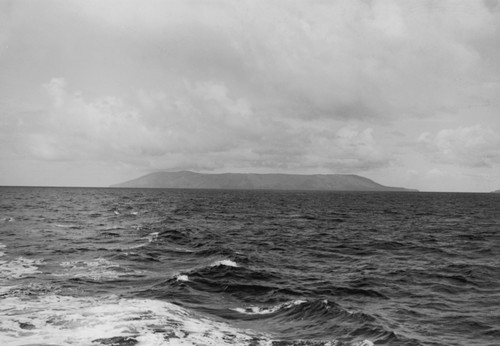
(19, 267)
(182, 277)
(98, 269)
(180, 249)
(152, 237)
(137, 246)
(226, 262)
(98, 262)
(8, 219)
(364, 343)
(59, 225)
(64, 320)
(4, 290)
(260, 310)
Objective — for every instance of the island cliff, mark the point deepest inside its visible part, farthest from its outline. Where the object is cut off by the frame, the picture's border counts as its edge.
(251, 181)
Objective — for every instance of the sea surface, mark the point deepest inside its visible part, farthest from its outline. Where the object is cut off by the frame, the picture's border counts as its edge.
(85, 266)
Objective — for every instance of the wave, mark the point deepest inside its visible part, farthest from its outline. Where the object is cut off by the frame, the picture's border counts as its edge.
(185, 276)
(309, 319)
(111, 320)
(150, 238)
(300, 309)
(227, 276)
(176, 236)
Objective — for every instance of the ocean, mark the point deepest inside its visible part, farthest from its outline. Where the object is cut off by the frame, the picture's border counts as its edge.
(99, 266)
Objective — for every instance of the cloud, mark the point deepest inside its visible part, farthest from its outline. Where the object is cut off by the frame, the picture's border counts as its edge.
(56, 90)
(202, 126)
(234, 133)
(473, 146)
(4, 25)
(339, 60)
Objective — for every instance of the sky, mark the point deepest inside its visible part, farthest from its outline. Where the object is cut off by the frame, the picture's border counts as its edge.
(97, 92)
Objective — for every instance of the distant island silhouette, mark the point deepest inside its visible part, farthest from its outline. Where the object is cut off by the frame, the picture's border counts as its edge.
(253, 181)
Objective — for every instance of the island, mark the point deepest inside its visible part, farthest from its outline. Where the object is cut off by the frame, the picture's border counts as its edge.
(254, 181)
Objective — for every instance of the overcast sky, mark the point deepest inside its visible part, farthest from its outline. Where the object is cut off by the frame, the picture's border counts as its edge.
(403, 92)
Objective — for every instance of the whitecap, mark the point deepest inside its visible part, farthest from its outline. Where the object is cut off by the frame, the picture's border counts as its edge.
(260, 310)
(226, 262)
(182, 277)
(63, 226)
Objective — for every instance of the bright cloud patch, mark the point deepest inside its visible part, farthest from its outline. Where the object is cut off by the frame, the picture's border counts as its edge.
(473, 146)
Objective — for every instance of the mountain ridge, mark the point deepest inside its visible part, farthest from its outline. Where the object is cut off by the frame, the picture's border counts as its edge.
(257, 181)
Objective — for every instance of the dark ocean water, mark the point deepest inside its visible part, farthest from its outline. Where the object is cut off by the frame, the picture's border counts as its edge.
(127, 267)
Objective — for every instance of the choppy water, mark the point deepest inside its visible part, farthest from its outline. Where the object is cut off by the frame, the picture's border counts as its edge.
(188, 267)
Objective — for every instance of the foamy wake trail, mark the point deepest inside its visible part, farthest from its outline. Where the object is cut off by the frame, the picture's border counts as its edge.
(64, 320)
